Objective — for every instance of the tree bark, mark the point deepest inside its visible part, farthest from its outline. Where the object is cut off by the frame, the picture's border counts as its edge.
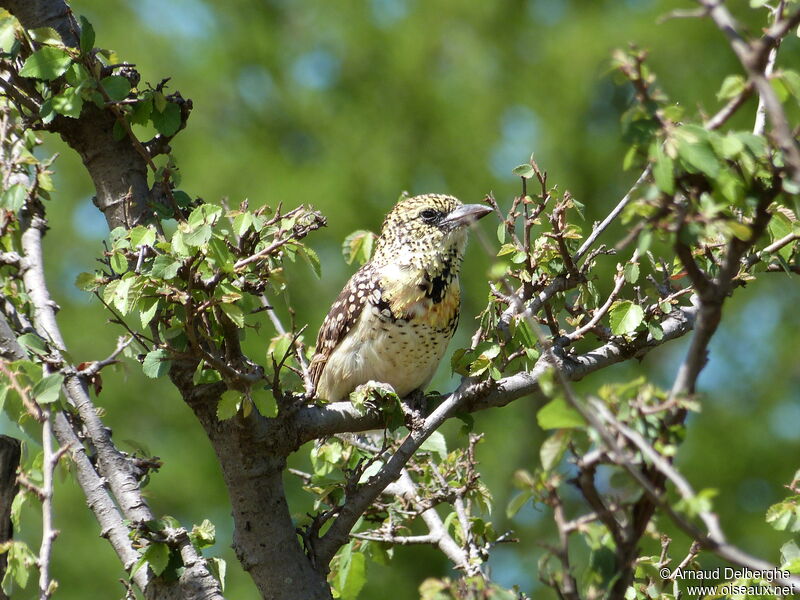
(118, 171)
(9, 461)
(265, 538)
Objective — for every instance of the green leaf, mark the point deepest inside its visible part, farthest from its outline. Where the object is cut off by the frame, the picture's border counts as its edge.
(358, 246)
(167, 121)
(557, 414)
(517, 502)
(165, 267)
(785, 516)
(48, 388)
(157, 554)
(14, 197)
(33, 343)
(68, 103)
(655, 331)
(631, 272)
(312, 258)
(141, 112)
(663, 171)
(203, 535)
(198, 237)
(87, 36)
(142, 236)
(159, 102)
(156, 363)
(46, 36)
(694, 149)
(234, 313)
(625, 317)
(242, 222)
(119, 263)
(732, 86)
(739, 230)
(149, 307)
(46, 63)
(436, 444)
(116, 86)
(525, 171)
(352, 576)
(21, 562)
(8, 31)
(218, 568)
(77, 75)
(553, 448)
(229, 404)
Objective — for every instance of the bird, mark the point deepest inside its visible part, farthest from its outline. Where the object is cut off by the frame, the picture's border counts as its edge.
(395, 316)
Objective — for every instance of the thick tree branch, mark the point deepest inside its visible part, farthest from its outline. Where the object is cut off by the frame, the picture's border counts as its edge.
(112, 465)
(314, 422)
(9, 461)
(265, 540)
(118, 171)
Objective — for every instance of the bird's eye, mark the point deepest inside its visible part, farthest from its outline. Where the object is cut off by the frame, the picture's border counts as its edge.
(429, 215)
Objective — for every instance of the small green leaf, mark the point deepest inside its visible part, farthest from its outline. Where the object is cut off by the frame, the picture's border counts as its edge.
(553, 448)
(436, 444)
(33, 343)
(234, 313)
(157, 554)
(732, 86)
(87, 36)
(229, 404)
(625, 317)
(156, 363)
(525, 171)
(68, 103)
(655, 331)
(149, 307)
(14, 197)
(557, 414)
(167, 121)
(142, 236)
(119, 263)
(159, 102)
(312, 258)
(116, 86)
(77, 75)
(517, 502)
(141, 112)
(358, 246)
(46, 36)
(663, 171)
(48, 388)
(46, 63)
(198, 237)
(203, 535)
(694, 149)
(785, 516)
(352, 576)
(631, 272)
(242, 222)
(165, 267)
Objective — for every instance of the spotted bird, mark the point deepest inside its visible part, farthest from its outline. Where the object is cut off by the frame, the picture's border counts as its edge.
(393, 320)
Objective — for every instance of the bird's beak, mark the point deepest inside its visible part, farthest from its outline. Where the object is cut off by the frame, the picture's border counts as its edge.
(465, 214)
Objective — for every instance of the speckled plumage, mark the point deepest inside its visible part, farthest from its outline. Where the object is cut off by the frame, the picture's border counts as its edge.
(393, 320)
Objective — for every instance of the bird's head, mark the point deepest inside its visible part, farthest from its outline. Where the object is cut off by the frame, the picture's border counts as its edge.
(421, 229)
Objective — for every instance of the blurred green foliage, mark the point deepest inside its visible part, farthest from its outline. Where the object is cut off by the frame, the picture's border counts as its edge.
(345, 104)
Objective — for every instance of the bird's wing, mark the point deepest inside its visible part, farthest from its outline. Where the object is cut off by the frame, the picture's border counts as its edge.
(342, 316)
